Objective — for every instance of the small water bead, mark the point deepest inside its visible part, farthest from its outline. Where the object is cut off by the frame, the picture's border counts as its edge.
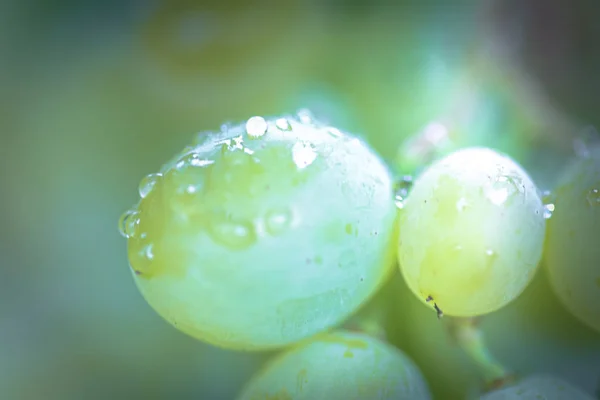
(283, 124)
(236, 235)
(147, 184)
(402, 188)
(192, 160)
(334, 132)
(305, 116)
(303, 154)
(548, 199)
(593, 197)
(503, 188)
(278, 221)
(128, 223)
(256, 127)
(148, 252)
(399, 201)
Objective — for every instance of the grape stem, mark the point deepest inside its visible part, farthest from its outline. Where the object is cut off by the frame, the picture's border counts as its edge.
(467, 334)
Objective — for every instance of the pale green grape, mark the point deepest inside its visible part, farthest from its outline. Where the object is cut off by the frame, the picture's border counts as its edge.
(538, 387)
(263, 234)
(572, 251)
(339, 365)
(471, 232)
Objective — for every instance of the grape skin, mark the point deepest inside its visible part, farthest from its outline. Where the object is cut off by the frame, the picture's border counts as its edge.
(538, 387)
(471, 232)
(339, 365)
(572, 253)
(257, 241)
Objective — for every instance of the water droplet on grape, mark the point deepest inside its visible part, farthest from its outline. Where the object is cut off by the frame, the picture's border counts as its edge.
(335, 132)
(503, 188)
(402, 187)
(148, 252)
(303, 154)
(283, 124)
(278, 221)
(548, 199)
(235, 235)
(226, 127)
(256, 127)
(192, 160)
(593, 197)
(128, 223)
(305, 116)
(147, 184)
(399, 201)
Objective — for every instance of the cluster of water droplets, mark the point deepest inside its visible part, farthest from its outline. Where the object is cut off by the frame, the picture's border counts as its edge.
(548, 200)
(187, 184)
(402, 189)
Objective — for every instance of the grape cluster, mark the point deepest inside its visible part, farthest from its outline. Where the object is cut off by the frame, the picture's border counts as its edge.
(273, 233)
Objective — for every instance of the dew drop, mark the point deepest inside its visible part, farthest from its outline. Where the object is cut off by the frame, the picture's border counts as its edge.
(147, 184)
(548, 211)
(303, 154)
(490, 253)
(226, 127)
(192, 160)
(128, 223)
(399, 200)
(504, 187)
(278, 221)
(305, 116)
(548, 199)
(334, 132)
(148, 252)
(283, 124)
(593, 197)
(256, 127)
(401, 189)
(235, 235)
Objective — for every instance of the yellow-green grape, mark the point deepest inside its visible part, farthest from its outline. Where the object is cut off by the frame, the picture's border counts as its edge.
(538, 387)
(263, 234)
(471, 232)
(572, 251)
(339, 365)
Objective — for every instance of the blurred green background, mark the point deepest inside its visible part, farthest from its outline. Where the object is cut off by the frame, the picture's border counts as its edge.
(95, 95)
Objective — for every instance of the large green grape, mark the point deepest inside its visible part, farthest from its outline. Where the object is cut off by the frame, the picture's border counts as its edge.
(572, 251)
(538, 387)
(471, 232)
(339, 365)
(263, 234)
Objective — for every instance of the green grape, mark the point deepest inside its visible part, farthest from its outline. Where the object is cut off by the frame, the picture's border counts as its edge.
(263, 234)
(538, 387)
(339, 365)
(471, 232)
(572, 253)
